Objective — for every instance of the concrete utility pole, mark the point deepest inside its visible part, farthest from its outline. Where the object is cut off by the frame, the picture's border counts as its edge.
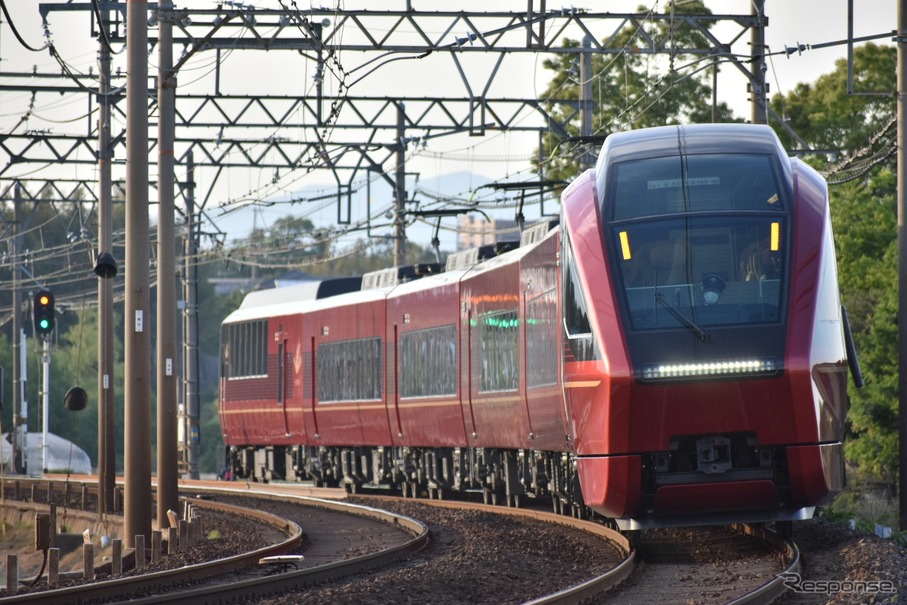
(137, 381)
(106, 391)
(902, 260)
(167, 478)
(758, 98)
(18, 451)
(19, 431)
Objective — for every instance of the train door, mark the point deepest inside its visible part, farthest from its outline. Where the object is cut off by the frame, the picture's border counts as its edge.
(310, 372)
(282, 378)
(523, 360)
(466, 370)
(295, 403)
(393, 388)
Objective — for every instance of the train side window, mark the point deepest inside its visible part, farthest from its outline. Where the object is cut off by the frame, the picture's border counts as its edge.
(541, 339)
(245, 350)
(576, 314)
(499, 355)
(428, 362)
(350, 370)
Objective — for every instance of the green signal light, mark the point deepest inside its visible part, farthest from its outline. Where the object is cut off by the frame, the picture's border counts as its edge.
(43, 311)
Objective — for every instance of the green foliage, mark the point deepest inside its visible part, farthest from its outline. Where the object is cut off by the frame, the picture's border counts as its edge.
(74, 361)
(633, 89)
(865, 501)
(211, 455)
(826, 117)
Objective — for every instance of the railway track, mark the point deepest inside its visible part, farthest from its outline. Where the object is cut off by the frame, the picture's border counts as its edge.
(708, 566)
(351, 563)
(241, 574)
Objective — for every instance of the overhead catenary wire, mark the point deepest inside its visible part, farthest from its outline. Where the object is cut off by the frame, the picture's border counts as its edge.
(292, 176)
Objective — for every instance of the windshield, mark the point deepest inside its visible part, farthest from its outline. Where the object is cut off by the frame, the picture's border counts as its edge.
(700, 271)
(698, 241)
(693, 183)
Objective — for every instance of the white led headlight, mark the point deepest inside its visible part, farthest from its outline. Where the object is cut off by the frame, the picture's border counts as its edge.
(740, 367)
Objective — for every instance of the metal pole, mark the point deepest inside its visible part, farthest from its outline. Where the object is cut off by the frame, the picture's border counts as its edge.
(137, 381)
(18, 454)
(902, 261)
(106, 390)
(45, 401)
(167, 479)
(587, 158)
(715, 90)
(758, 97)
(191, 430)
(400, 190)
(22, 429)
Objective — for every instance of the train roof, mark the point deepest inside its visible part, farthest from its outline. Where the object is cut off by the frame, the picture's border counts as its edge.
(379, 285)
(308, 290)
(393, 276)
(689, 139)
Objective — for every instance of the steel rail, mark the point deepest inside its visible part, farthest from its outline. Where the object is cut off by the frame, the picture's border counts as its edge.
(126, 585)
(578, 593)
(297, 580)
(772, 590)
(164, 584)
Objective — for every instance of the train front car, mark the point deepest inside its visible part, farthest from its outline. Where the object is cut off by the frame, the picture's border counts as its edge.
(705, 364)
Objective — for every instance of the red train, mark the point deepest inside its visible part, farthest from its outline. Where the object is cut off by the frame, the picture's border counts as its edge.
(673, 352)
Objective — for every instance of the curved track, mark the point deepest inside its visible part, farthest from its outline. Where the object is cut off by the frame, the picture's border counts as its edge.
(665, 568)
(170, 586)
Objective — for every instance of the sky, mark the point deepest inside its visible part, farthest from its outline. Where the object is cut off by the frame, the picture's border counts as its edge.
(453, 166)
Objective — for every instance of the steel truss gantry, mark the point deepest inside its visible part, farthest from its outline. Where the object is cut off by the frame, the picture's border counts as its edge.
(345, 132)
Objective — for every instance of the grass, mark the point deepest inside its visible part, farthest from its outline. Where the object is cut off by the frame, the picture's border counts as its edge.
(868, 502)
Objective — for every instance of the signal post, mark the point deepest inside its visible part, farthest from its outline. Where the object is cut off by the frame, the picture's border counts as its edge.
(43, 313)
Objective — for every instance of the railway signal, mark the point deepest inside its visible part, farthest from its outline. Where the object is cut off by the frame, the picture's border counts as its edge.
(43, 311)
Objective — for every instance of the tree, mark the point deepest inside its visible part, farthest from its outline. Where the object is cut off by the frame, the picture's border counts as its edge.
(826, 117)
(632, 89)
